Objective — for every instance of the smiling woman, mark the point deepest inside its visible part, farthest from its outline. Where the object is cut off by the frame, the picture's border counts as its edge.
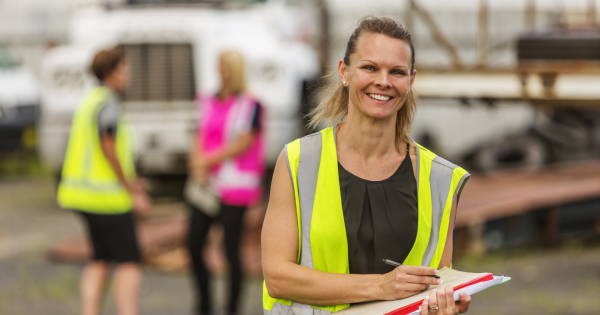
(377, 34)
(361, 191)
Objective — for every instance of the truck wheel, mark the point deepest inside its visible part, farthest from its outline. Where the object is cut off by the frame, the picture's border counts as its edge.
(513, 152)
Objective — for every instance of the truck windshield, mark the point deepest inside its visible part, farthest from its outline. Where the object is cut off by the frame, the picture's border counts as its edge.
(155, 2)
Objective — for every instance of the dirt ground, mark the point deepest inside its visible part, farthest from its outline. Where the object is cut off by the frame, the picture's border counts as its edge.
(561, 281)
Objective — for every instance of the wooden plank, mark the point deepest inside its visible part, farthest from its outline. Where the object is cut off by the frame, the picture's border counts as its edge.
(507, 193)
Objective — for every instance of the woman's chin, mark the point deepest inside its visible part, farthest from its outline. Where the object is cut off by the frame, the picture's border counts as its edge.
(379, 115)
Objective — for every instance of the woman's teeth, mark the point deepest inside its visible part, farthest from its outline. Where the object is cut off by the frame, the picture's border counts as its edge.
(379, 97)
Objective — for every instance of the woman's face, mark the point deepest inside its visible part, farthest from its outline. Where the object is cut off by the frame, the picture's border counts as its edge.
(120, 77)
(378, 77)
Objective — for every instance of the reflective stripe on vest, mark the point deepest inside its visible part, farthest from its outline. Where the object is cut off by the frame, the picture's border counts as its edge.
(88, 181)
(322, 233)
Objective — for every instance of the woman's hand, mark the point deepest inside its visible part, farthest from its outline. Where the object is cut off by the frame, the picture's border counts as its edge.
(441, 302)
(199, 168)
(405, 281)
(141, 203)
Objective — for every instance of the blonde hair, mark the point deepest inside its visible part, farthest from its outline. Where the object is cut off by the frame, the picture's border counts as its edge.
(237, 70)
(334, 105)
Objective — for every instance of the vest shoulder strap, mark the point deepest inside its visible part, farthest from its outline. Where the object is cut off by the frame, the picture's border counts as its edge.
(308, 150)
(440, 183)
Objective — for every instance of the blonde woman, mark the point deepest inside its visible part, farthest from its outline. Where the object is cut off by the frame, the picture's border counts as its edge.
(228, 157)
(361, 191)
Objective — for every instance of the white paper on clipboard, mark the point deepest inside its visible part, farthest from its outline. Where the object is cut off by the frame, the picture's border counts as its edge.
(472, 289)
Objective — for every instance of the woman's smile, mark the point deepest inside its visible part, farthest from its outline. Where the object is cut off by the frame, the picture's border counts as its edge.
(381, 98)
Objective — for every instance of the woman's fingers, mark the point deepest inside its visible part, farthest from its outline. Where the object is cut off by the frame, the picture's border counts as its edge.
(450, 305)
(425, 306)
(418, 270)
(433, 299)
(441, 298)
(464, 302)
(423, 279)
(415, 287)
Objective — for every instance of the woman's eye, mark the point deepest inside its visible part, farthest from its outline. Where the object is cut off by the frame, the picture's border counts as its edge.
(398, 72)
(371, 68)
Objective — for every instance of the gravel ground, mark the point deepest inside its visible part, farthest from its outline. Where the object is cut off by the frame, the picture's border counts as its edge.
(30, 284)
(562, 281)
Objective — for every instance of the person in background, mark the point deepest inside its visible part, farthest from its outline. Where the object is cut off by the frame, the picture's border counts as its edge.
(227, 157)
(99, 182)
(361, 191)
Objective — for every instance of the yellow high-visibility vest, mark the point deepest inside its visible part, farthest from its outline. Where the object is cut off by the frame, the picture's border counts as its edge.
(313, 166)
(88, 181)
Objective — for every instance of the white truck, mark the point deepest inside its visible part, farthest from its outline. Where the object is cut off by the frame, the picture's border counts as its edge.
(173, 50)
(19, 104)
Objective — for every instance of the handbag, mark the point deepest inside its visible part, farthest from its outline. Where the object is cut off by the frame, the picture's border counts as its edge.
(201, 196)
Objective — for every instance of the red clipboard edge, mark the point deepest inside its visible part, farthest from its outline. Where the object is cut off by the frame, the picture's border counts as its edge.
(415, 306)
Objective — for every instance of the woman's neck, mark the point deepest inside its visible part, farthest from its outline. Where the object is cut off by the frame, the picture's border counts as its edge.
(367, 137)
(225, 92)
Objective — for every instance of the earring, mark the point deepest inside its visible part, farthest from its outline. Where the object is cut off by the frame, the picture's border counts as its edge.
(344, 83)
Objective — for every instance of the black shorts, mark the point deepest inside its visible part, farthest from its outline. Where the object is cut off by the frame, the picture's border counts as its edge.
(112, 237)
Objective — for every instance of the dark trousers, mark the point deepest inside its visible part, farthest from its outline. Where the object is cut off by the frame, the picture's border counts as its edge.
(231, 218)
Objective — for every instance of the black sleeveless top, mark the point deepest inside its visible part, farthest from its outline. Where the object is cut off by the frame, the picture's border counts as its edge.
(381, 218)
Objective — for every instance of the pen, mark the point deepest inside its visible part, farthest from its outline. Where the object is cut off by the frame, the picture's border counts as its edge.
(393, 263)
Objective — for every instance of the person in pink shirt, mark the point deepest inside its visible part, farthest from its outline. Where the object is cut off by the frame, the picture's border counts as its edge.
(227, 157)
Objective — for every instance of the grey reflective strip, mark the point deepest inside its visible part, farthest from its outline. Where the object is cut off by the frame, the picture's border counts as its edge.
(418, 163)
(308, 172)
(335, 133)
(93, 186)
(440, 180)
(88, 151)
(301, 309)
(287, 162)
(281, 309)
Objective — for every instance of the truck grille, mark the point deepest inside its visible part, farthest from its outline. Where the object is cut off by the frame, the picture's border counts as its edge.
(160, 73)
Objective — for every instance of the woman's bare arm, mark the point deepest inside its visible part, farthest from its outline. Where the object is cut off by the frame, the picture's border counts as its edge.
(447, 255)
(287, 280)
(200, 160)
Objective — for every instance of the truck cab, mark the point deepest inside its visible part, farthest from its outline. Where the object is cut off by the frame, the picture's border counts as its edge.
(173, 52)
(19, 104)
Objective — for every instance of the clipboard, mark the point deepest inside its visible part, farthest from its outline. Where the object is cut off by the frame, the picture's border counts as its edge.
(470, 283)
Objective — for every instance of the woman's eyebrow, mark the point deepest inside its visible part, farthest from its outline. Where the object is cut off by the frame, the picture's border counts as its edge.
(373, 62)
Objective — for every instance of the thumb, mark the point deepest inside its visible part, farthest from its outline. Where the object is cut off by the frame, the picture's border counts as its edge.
(465, 301)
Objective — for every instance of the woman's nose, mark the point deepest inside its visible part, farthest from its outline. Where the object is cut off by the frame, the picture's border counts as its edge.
(382, 81)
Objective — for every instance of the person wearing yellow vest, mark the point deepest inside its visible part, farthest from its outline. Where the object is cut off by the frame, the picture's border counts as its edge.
(99, 181)
(360, 191)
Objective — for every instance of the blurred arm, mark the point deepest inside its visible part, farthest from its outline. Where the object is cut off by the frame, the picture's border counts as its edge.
(196, 162)
(141, 201)
(238, 147)
(107, 142)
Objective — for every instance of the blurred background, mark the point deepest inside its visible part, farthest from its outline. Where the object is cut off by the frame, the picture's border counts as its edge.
(509, 89)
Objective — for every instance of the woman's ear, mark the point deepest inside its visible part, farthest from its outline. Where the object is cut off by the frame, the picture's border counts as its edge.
(412, 78)
(343, 71)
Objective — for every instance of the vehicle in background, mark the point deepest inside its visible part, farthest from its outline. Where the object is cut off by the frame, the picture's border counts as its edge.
(173, 53)
(19, 105)
(566, 63)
